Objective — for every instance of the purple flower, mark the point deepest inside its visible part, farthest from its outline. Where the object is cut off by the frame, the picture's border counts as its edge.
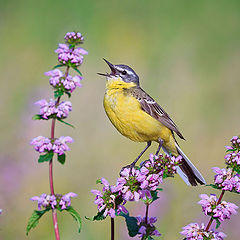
(46, 108)
(0, 211)
(74, 38)
(45, 200)
(42, 144)
(208, 203)
(106, 200)
(224, 210)
(63, 109)
(193, 231)
(70, 83)
(72, 56)
(60, 146)
(147, 229)
(130, 184)
(66, 200)
(55, 77)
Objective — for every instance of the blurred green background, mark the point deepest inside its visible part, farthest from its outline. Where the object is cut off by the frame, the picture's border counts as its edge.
(187, 55)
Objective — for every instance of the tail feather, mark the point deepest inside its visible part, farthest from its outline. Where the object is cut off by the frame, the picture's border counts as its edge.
(187, 171)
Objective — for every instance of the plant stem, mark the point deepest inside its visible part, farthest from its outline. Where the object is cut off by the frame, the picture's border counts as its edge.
(112, 228)
(146, 219)
(54, 212)
(219, 201)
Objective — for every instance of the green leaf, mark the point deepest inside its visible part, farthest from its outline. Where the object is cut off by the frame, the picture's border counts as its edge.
(34, 219)
(45, 158)
(98, 217)
(68, 93)
(98, 181)
(213, 186)
(132, 225)
(38, 117)
(58, 93)
(58, 66)
(61, 158)
(218, 223)
(150, 238)
(60, 120)
(77, 71)
(76, 216)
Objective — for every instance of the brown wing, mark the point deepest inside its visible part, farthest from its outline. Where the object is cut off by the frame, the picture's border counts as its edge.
(149, 105)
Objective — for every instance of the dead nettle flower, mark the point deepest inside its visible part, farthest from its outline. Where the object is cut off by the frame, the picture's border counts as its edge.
(109, 200)
(225, 179)
(59, 81)
(74, 38)
(193, 231)
(58, 145)
(70, 56)
(220, 211)
(52, 110)
(54, 201)
(146, 228)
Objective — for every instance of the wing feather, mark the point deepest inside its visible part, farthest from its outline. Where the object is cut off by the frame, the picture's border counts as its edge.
(150, 106)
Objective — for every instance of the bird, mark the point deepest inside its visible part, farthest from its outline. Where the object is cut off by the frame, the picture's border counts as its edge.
(137, 116)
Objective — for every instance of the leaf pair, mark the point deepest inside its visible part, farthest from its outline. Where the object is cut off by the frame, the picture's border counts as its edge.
(34, 219)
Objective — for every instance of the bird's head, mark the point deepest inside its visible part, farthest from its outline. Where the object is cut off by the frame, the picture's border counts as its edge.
(122, 72)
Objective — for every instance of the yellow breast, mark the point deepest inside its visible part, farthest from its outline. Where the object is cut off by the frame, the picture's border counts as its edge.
(125, 113)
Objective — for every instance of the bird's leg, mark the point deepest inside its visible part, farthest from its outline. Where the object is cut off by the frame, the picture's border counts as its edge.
(135, 161)
(159, 146)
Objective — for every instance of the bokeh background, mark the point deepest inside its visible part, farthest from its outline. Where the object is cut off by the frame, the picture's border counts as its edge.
(187, 55)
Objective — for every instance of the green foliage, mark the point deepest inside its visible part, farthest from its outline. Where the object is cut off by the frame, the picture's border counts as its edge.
(34, 219)
(98, 217)
(77, 71)
(76, 216)
(58, 93)
(132, 225)
(38, 117)
(98, 181)
(58, 66)
(218, 223)
(61, 158)
(60, 120)
(45, 158)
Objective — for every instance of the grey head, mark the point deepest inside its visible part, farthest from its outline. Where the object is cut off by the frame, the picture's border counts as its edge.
(126, 73)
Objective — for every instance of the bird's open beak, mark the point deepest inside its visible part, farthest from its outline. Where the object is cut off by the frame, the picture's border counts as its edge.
(111, 67)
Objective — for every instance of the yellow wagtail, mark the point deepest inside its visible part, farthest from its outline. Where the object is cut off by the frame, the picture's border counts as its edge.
(138, 117)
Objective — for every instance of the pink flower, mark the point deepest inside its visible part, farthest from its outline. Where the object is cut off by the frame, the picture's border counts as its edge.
(46, 108)
(55, 76)
(60, 146)
(105, 200)
(63, 109)
(66, 200)
(42, 144)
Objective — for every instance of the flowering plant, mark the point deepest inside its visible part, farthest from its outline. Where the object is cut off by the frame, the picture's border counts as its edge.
(135, 184)
(227, 180)
(71, 57)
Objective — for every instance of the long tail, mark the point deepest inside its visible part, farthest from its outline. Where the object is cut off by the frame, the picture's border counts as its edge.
(187, 171)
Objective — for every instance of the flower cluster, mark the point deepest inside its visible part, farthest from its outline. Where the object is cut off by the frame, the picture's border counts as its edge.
(220, 211)
(193, 231)
(51, 109)
(60, 81)
(134, 183)
(54, 201)
(146, 228)
(108, 201)
(226, 179)
(59, 146)
(69, 55)
(74, 38)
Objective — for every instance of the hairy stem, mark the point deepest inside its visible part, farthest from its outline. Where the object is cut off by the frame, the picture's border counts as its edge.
(112, 228)
(211, 220)
(146, 218)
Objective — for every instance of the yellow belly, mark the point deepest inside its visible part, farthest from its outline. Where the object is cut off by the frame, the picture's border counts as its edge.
(125, 113)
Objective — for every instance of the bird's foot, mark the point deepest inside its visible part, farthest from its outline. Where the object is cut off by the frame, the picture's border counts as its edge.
(132, 165)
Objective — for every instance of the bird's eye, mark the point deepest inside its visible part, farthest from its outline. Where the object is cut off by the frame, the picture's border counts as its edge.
(124, 72)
